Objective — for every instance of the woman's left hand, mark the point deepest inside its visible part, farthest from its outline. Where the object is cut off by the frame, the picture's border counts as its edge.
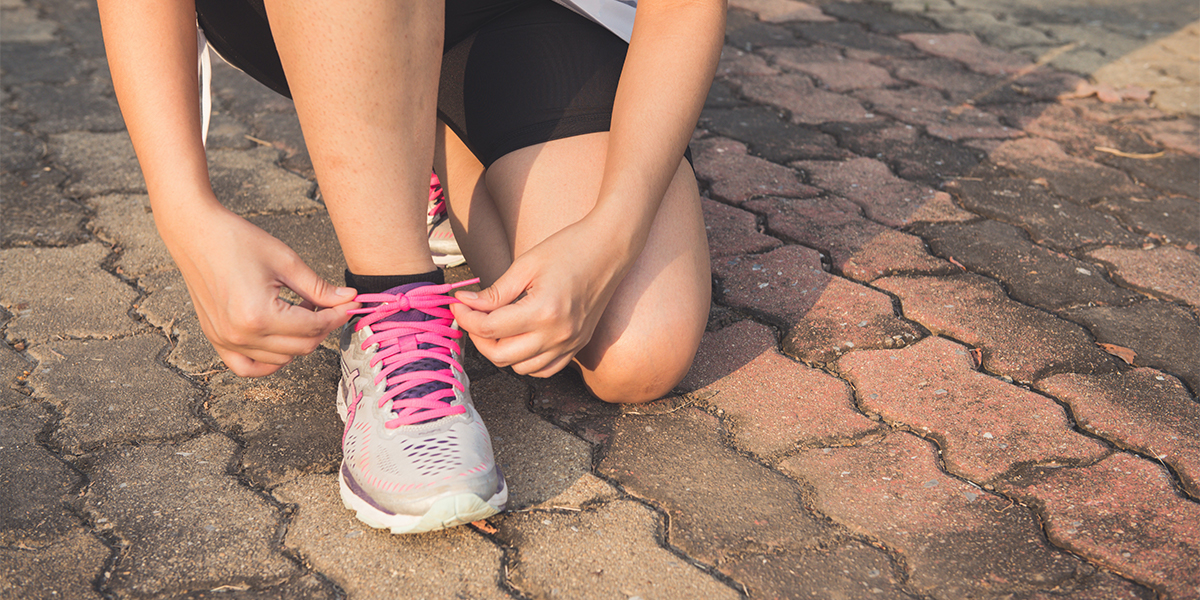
(545, 307)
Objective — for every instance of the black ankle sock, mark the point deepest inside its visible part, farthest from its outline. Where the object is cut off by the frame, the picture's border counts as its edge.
(375, 284)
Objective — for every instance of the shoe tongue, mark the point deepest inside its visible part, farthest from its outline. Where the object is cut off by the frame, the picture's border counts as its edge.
(424, 364)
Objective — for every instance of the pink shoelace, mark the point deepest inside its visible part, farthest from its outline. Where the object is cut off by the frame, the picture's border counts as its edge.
(437, 198)
(399, 346)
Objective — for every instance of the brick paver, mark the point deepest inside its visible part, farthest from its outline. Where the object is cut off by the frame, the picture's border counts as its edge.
(951, 350)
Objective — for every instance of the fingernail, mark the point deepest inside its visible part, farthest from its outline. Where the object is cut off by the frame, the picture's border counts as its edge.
(469, 295)
(344, 292)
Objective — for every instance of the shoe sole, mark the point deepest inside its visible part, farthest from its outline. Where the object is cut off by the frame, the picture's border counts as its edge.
(450, 511)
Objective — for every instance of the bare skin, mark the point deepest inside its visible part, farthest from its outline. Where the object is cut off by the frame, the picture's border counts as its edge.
(627, 308)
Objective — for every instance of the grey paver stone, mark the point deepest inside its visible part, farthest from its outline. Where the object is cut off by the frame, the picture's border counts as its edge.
(36, 213)
(1177, 134)
(125, 222)
(856, 37)
(914, 156)
(736, 176)
(83, 105)
(1166, 271)
(1170, 218)
(1031, 274)
(23, 24)
(669, 460)
(851, 571)
(40, 62)
(100, 163)
(884, 197)
(1080, 137)
(830, 68)
(1123, 514)
(744, 31)
(807, 103)
(1080, 180)
(95, 305)
(782, 11)
(23, 150)
(1142, 410)
(825, 315)
(75, 559)
(1158, 332)
(957, 540)
(14, 368)
(35, 485)
(185, 523)
(860, 249)
(1049, 220)
(287, 421)
(1015, 340)
(983, 426)
(732, 231)
(944, 75)
(967, 49)
(539, 461)
(611, 551)
(252, 181)
(878, 18)
(112, 391)
(769, 134)
(369, 563)
(925, 107)
(169, 308)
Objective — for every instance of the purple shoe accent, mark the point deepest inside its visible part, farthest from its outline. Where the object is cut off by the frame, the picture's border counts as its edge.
(358, 491)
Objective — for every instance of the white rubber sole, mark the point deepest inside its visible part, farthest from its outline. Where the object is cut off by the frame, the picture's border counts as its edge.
(450, 511)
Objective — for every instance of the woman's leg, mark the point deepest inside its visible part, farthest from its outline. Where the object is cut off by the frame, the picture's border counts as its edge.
(364, 76)
(645, 342)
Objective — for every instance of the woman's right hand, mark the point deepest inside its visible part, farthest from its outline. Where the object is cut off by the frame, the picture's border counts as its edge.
(234, 272)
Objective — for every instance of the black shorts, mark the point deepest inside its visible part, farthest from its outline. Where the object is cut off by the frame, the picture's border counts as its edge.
(514, 72)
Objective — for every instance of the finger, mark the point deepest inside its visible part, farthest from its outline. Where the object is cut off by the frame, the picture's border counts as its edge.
(507, 321)
(503, 292)
(312, 288)
(511, 350)
(553, 367)
(244, 366)
(299, 322)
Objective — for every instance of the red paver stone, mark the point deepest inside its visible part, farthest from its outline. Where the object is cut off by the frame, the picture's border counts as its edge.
(1166, 271)
(983, 425)
(806, 103)
(1016, 340)
(825, 315)
(914, 156)
(772, 402)
(957, 540)
(1123, 513)
(966, 49)
(725, 351)
(1078, 179)
(732, 231)
(861, 249)
(926, 107)
(782, 11)
(884, 197)
(721, 504)
(832, 70)
(1143, 410)
(736, 176)
(1080, 137)
(1180, 134)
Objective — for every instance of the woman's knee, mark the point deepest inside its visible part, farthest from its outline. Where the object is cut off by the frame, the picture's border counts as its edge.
(637, 371)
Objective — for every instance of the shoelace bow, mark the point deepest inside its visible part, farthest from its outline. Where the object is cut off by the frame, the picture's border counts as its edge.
(399, 345)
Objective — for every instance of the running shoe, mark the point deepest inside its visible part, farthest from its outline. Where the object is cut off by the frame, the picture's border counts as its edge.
(441, 237)
(415, 454)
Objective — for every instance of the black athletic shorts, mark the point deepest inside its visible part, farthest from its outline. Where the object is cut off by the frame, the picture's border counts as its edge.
(514, 72)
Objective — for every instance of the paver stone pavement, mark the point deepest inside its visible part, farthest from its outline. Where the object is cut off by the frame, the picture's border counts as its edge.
(951, 352)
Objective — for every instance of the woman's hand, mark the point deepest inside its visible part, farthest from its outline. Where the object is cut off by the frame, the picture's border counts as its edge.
(545, 307)
(234, 272)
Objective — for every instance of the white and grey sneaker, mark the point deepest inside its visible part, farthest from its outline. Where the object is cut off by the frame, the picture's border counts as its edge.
(415, 454)
(442, 244)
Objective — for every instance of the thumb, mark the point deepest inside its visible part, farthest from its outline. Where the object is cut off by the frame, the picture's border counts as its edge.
(315, 290)
(503, 292)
